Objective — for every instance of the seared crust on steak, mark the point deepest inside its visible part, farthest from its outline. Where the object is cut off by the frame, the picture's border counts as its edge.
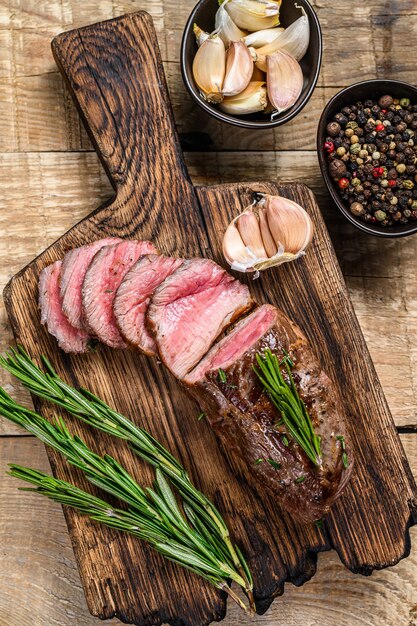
(247, 423)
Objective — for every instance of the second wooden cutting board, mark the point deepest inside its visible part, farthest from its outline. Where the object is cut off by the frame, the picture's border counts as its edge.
(115, 74)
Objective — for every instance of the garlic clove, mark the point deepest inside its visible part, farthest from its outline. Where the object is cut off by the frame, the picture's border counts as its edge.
(252, 100)
(270, 232)
(239, 69)
(270, 245)
(234, 250)
(254, 15)
(290, 225)
(225, 26)
(294, 40)
(248, 226)
(284, 80)
(200, 34)
(209, 68)
(262, 37)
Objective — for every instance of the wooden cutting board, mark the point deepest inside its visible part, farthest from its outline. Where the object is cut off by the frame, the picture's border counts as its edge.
(115, 75)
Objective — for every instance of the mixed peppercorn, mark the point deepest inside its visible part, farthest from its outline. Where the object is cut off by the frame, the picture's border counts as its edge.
(371, 151)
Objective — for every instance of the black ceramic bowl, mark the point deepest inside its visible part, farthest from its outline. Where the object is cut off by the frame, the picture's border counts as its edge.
(203, 15)
(369, 89)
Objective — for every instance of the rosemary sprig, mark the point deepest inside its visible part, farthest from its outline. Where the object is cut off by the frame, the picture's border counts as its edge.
(154, 531)
(87, 407)
(286, 399)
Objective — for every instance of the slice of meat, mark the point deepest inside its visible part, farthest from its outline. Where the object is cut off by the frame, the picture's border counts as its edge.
(249, 426)
(234, 345)
(189, 310)
(70, 339)
(74, 267)
(133, 297)
(102, 279)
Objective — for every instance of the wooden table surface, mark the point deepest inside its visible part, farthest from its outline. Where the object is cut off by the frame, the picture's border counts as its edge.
(50, 178)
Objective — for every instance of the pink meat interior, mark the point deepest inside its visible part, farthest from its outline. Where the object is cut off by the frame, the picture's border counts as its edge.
(102, 279)
(133, 297)
(73, 269)
(70, 339)
(191, 308)
(232, 347)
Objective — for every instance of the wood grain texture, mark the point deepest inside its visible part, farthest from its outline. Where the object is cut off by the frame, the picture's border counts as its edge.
(278, 549)
(46, 193)
(36, 115)
(40, 584)
(62, 188)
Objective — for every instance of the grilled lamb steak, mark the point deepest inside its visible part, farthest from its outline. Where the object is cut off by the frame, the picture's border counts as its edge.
(133, 297)
(70, 339)
(74, 267)
(248, 425)
(189, 310)
(102, 279)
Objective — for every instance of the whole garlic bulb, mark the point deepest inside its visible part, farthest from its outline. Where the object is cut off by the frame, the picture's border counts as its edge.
(272, 231)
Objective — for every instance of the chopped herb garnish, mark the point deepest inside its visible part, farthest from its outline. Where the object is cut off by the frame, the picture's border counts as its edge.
(285, 441)
(222, 376)
(300, 479)
(200, 417)
(342, 441)
(259, 461)
(287, 359)
(318, 523)
(343, 446)
(274, 464)
(286, 399)
(223, 379)
(108, 291)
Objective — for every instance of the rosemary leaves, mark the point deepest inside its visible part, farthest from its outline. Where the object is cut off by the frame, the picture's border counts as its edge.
(286, 399)
(190, 532)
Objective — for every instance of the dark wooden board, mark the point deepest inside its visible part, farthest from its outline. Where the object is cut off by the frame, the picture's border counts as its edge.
(114, 72)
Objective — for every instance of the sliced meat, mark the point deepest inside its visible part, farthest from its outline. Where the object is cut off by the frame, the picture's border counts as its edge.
(70, 339)
(249, 426)
(189, 310)
(74, 267)
(102, 279)
(133, 297)
(234, 345)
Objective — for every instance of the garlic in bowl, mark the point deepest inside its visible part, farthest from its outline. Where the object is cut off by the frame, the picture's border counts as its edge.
(286, 36)
(271, 231)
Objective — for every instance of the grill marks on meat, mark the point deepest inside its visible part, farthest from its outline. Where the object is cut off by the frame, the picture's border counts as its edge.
(246, 422)
(69, 338)
(133, 296)
(74, 267)
(102, 279)
(189, 310)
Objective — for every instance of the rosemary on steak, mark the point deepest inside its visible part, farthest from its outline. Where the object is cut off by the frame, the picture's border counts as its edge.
(286, 399)
(196, 538)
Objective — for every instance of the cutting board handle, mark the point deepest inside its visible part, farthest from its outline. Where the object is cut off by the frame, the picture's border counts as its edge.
(115, 75)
